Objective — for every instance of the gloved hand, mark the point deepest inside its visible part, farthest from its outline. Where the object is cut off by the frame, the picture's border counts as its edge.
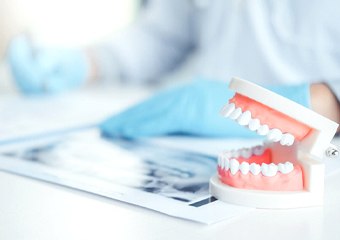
(39, 71)
(191, 109)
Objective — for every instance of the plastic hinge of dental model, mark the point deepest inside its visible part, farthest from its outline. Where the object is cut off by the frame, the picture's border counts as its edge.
(333, 151)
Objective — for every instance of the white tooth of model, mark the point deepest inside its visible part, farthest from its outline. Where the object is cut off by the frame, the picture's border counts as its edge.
(263, 130)
(234, 166)
(219, 160)
(235, 114)
(228, 109)
(244, 168)
(289, 167)
(254, 124)
(226, 164)
(246, 152)
(281, 167)
(287, 139)
(227, 154)
(272, 169)
(274, 135)
(244, 119)
(255, 169)
(285, 168)
(235, 153)
(264, 168)
(258, 150)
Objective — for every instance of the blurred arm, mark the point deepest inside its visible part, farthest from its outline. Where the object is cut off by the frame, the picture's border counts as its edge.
(325, 102)
(160, 39)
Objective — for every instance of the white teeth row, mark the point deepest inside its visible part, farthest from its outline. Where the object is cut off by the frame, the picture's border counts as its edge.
(268, 170)
(254, 124)
(245, 152)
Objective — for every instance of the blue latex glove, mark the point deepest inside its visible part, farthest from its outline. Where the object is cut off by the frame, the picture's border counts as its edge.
(39, 71)
(191, 109)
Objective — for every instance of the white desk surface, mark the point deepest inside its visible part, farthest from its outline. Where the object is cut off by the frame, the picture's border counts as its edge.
(30, 209)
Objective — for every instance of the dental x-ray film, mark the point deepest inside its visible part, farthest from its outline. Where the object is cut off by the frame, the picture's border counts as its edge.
(168, 180)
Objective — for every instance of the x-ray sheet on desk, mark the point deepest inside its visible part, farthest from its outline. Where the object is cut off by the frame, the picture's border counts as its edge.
(172, 181)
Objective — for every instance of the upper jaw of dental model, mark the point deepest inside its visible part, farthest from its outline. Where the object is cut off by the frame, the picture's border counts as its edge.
(276, 126)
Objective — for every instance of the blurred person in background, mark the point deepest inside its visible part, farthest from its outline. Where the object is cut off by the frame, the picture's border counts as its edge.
(289, 46)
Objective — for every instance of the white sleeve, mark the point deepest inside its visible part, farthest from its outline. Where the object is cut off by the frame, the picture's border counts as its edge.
(158, 41)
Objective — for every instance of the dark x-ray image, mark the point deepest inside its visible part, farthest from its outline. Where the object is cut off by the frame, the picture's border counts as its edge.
(173, 173)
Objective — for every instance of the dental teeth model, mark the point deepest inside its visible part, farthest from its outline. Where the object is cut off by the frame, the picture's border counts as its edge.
(287, 171)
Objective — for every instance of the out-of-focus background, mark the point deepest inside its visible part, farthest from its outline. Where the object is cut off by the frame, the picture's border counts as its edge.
(63, 22)
(66, 22)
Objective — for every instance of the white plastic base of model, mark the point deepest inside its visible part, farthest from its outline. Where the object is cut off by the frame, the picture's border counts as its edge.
(264, 199)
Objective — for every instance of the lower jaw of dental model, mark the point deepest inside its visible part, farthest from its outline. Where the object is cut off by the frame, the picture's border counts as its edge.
(252, 168)
(260, 168)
